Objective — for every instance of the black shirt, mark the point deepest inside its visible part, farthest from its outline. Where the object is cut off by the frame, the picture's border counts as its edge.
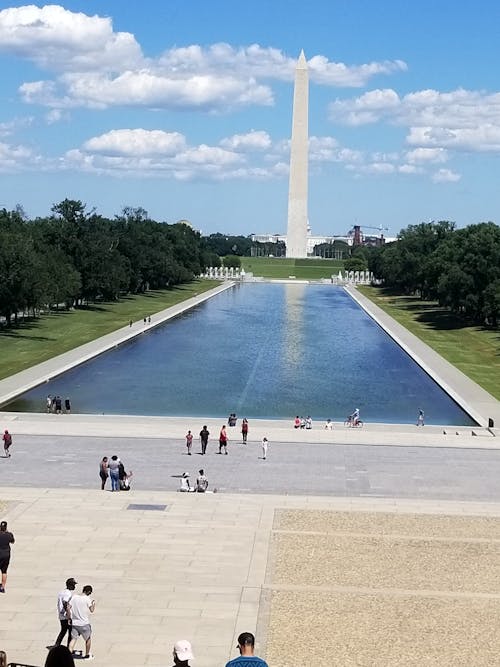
(6, 539)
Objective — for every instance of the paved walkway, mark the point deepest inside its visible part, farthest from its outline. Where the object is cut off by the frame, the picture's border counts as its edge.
(206, 567)
(295, 468)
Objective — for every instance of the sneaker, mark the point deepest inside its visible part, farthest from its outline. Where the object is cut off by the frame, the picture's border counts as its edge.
(2, 589)
(88, 657)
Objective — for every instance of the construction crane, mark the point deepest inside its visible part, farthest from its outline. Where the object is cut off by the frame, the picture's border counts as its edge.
(357, 232)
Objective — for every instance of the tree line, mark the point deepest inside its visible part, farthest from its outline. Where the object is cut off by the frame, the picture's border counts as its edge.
(460, 268)
(73, 257)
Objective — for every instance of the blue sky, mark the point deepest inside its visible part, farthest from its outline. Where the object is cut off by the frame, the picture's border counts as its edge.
(184, 109)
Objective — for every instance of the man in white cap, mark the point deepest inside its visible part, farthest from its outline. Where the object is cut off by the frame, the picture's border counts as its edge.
(183, 653)
(185, 486)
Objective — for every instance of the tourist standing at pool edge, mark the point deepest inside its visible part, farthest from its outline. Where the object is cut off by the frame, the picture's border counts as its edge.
(265, 443)
(244, 430)
(223, 440)
(204, 433)
(189, 442)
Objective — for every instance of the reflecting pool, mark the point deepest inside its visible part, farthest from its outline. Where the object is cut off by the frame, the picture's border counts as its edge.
(262, 351)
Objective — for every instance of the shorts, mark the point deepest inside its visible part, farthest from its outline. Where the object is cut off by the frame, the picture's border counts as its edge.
(81, 631)
(4, 563)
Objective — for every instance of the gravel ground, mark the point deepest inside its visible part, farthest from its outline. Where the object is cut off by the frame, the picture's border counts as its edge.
(378, 589)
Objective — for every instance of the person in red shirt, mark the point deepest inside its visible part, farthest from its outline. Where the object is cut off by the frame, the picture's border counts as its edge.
(244, 430)
(189, 441)
(223, 440)
(7, 442)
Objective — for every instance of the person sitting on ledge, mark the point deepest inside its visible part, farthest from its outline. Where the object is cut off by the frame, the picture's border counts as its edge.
(296, 422)
(185, 485)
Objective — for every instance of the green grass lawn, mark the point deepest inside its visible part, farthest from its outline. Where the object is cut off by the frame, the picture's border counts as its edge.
(280, 267)
(45, 337)
(473, 349)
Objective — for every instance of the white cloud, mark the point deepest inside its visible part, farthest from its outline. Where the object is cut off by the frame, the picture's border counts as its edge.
(206, 155)
(426, 155)
(322, 149)
(338, 74)
(146, 88)
(445, 176)
(96, 67)
(409, 169)
(9, 127)
(16, 158)
(55, 115)
(135, 143)
(251, 141)
(60, 40)
(484, 138)
(146, 153)
(462, 120)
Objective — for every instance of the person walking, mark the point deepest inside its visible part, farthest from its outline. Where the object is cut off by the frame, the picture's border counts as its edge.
(244, 430)
(103, 471)
(182, 653)
(265, 443)
(79, 608)
(223, 440)
(204, 433)
(189, 442)
(420, 418)
(114, 472)
(7, 442)
(63, 600)
(247, 657)
(67, 406)
(6, 539)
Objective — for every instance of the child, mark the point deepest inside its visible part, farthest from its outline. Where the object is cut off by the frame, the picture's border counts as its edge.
(265, 443)
(189, 442)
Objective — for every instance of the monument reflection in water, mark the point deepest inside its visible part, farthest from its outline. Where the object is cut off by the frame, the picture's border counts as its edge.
(260, 350)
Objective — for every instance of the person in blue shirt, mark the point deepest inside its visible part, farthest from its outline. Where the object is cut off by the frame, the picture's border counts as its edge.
(246, 647)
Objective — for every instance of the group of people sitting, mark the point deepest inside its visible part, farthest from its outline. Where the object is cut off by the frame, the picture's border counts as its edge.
(201, 485)
(301, 422)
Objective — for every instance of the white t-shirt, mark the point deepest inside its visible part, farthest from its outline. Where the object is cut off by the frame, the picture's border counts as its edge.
(80, 605)
(64, 596)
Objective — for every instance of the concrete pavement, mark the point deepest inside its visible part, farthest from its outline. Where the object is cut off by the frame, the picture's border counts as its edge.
(207, 567)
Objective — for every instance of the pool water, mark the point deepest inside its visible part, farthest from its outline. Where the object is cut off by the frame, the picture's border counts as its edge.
(262, 350)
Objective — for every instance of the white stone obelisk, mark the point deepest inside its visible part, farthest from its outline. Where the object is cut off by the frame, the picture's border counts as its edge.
(296, 239)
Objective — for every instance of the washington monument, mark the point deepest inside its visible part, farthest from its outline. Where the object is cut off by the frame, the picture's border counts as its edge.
(296, 240)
